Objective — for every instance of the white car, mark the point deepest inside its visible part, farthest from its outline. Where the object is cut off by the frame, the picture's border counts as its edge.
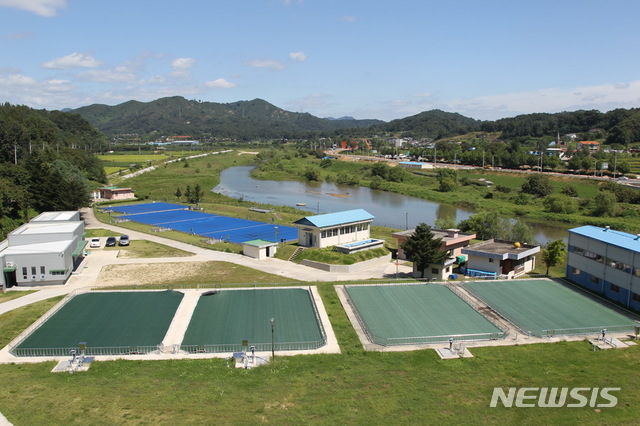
(95, 243)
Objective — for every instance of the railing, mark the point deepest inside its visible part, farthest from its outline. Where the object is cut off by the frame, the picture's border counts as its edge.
(89, 351)
(587, 330)
(262, 347)
(317, 314)
(397, 341)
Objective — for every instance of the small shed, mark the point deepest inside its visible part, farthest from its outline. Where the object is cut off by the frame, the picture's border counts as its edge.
(259, 249)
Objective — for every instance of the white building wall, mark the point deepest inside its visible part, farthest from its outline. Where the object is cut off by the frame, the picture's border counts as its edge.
(484, 264)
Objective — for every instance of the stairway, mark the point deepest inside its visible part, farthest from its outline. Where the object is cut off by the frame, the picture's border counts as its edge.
(295, 254)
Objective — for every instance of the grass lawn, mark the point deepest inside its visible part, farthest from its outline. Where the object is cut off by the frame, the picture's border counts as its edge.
(354, 387)
(5, 297)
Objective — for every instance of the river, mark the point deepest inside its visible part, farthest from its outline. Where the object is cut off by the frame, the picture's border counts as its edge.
(390, 209)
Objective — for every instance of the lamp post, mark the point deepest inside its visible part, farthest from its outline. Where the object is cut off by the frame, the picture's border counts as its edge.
(273, 325)
(406, 220)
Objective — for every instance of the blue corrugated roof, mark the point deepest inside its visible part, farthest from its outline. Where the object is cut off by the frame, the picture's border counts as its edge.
(338, 218)
(610, 236)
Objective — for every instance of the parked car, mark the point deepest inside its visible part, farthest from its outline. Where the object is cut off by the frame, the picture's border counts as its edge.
(111, 241)
(94, 243)
(124, 240)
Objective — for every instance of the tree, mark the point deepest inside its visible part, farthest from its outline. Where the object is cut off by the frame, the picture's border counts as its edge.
(605, 204)
(560, 203)
(423, 249)
(195, 195)
(445, 222)
(486, 226)
(553, 253)
(537, 185)
(178, 193)
(448, 180)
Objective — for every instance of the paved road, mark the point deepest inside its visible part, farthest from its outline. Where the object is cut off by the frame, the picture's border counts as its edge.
(87, 273)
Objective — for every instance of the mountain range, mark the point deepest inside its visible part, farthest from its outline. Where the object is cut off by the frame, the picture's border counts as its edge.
(179, 116)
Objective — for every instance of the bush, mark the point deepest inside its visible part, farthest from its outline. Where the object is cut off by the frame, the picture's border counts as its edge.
(560, 203)
(503, 189)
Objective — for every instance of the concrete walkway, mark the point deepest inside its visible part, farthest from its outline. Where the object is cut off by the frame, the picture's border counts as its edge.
(181, 319)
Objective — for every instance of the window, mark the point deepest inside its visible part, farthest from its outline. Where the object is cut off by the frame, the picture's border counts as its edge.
(575, 271)
(635, 297)
(33, 270)
(435, 270)
(614, 288)
(490, 260)
(595, 279)
(24, 272)
(42, 270)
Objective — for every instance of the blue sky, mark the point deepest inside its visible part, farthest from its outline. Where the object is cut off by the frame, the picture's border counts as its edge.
(367, 59)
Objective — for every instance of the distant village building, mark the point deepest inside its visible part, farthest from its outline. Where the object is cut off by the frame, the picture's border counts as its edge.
(333, 229)
(592, 146)
(115, 193)
(415, 165)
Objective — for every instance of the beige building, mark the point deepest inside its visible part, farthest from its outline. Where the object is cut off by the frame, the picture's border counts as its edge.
(333, 229)
(500, 258)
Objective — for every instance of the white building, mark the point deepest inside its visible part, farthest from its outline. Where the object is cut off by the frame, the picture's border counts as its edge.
(43, 251)
(332, 229)
(494, 258)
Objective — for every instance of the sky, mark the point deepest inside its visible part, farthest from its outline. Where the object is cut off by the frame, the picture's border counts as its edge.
(331, 58)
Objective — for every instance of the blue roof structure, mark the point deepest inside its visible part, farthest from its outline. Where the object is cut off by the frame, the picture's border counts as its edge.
(616, 238)
(335, 219)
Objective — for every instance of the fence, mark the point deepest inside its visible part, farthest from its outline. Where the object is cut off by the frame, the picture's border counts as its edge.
(262, 347)
(588, 330)
(89, 351)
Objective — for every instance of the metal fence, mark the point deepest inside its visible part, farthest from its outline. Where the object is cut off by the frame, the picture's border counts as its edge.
(588, 330)
(113, 350)
(262, 347)
(475, 305)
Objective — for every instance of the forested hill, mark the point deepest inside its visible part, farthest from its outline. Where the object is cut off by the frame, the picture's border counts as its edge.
(179, 116)
(54, 163)
(433, 124)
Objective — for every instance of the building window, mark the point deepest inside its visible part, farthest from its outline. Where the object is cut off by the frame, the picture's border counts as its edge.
(575, 271)
(614, 288)
(490, 260)
(595, 279)
(24, 272)
(635, 297)
(33, 270)
(42, 270)
(435, 271)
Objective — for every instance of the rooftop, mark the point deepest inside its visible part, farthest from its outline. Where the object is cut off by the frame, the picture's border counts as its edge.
(335, 219)
(54, 216)
(616, 238)
(260, 243)
(501, 249)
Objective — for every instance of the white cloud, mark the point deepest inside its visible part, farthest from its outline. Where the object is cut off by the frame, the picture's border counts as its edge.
(272, 64)
(182, 66)
(116, 75)
(348, 18)
(45, 8)
(424, 95)
(19, 36)
(74, 60)
(603, 98)
(220, 83)
(297, 56)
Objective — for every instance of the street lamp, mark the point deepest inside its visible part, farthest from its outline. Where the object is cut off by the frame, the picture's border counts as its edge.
(273, 325)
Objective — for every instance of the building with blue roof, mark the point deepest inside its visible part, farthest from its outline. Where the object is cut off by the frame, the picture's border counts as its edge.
(607, 262)
(332, 229)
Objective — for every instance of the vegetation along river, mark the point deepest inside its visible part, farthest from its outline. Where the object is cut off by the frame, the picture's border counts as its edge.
(390, 209)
